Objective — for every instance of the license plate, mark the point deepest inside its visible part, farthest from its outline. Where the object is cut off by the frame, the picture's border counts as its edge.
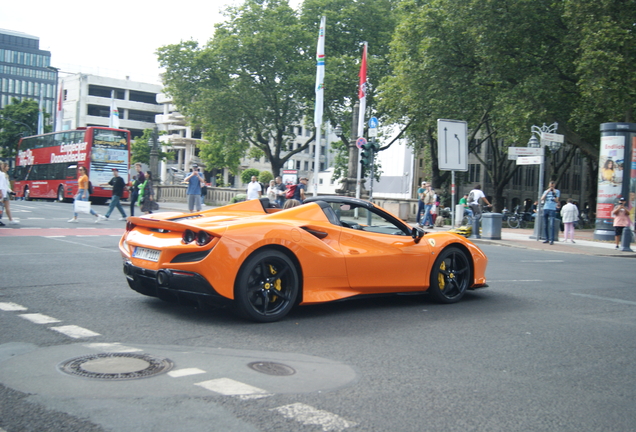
(146, 254)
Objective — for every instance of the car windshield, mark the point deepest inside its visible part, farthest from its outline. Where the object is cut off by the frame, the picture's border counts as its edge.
(364, 219)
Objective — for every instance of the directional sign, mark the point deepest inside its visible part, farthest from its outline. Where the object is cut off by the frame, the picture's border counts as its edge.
(552, 137)
(514, 152)
(529, 160)
(452, 147)
(360, 142)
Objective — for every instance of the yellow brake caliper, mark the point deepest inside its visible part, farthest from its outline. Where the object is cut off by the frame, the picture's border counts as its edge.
(440, 276)
(277, 284)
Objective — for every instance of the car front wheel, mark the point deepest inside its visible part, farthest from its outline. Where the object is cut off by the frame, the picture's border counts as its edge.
(450, 276)
(267, 286)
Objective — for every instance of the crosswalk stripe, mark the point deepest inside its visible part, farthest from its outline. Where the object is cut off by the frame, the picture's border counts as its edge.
(309, 415)
(74, 331)
(39, 318)
(185, 372)
(11, 307)
(229, 387)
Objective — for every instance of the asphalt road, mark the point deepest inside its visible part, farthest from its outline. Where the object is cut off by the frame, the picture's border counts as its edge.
(549, 346)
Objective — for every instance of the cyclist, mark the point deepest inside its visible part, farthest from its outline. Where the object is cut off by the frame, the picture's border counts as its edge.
(474, 201)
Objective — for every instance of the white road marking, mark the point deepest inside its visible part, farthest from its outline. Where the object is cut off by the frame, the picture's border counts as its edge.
(541, 261)
(185, 372)
(38, 318)
(11, 307)
(309, 415)
(515, 280)
(605, 298)
(229, 387)
(74, 331)
(112, 347)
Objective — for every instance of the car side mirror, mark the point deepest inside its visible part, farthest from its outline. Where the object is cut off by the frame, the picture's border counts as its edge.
(417, 233)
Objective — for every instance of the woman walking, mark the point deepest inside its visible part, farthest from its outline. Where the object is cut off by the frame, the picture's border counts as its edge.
(82, 194)
(147, 201)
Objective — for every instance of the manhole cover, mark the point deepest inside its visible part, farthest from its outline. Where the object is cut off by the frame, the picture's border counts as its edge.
(271, 368)
(116, 366)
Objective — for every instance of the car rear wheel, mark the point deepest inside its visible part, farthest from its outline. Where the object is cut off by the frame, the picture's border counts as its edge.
(450, 276)
(267, 286)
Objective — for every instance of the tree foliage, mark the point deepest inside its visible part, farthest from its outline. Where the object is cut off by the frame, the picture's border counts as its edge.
(17, 120)
(140, 148)
(254, 80)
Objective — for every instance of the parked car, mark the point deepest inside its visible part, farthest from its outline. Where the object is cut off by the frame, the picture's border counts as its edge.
(263, 261)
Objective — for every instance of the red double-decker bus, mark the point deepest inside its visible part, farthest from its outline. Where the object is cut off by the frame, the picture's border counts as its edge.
(46, 165)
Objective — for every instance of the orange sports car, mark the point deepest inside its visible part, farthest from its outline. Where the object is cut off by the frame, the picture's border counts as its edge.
(263, 260)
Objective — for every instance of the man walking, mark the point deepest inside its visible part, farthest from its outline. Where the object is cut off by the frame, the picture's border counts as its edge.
(551, 199)
(429, 200)
(118, 191)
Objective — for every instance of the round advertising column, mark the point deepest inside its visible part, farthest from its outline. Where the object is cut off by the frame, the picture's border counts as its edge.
(616, 174)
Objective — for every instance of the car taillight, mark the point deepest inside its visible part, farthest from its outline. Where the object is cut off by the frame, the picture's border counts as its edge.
(189, 236)
(129, 226)
(203, 238)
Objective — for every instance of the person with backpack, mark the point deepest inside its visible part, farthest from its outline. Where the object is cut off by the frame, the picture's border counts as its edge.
(134, 187)
(474, 201)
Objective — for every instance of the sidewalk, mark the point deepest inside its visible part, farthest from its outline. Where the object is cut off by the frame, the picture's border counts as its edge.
(519, 238)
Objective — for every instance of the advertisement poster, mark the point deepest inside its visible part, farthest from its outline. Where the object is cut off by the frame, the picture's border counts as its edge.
(631, 200)
(610, 178)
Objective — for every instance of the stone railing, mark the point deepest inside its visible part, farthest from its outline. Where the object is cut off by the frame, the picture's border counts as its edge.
(403, 208)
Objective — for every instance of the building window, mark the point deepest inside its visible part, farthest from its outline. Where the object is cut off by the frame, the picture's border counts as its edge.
(474, 174)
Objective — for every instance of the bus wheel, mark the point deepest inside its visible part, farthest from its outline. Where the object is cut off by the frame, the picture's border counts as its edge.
(60, 194)
(27, 194)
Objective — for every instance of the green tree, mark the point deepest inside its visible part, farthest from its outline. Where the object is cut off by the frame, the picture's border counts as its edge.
(264, 177)
(246, 175)
(18, 119)
(140, 148)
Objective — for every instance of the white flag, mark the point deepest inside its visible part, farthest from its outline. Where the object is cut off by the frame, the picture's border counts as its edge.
(114, 113)
(320, 74)
(59, 115)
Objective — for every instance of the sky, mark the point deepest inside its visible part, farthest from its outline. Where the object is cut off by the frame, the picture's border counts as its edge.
(114, 39)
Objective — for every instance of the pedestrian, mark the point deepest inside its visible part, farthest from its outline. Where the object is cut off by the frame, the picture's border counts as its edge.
(475, 197)
(254, 189)
(550, 198)
(569, 215)
(146, 200)
(291, 203)
(136, 180)
(118, 185)
(194, 189)
(463, 201)
(272, 191)
(204, 190)
(83, 195)
(5, 192)
(621, 219)
(281, 191)
(429, 201)
(420, 203)
(299, 193)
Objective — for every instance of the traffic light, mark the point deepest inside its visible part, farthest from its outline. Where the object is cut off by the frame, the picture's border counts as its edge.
(366, 158)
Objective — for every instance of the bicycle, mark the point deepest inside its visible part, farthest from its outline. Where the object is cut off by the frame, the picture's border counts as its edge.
(518, 220)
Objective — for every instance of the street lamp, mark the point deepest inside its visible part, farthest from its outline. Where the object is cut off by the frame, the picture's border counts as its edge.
(535, 142)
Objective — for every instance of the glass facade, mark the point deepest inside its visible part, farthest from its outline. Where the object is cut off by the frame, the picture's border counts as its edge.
(25, 71)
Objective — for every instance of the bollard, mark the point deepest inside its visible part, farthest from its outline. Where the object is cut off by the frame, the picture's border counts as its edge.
(626, 239)
(475, 230)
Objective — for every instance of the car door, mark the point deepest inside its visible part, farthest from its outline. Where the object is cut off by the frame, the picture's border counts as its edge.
(379, 255)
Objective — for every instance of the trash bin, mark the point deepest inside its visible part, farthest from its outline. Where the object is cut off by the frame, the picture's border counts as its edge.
(491, 226)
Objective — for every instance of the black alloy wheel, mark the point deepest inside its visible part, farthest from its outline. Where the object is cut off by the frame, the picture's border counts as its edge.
(267, 286)
(450, 276)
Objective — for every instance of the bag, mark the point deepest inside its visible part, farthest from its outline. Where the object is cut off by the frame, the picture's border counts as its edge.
(471, 197)
(90, 188)
(82, 206)
(291, 190)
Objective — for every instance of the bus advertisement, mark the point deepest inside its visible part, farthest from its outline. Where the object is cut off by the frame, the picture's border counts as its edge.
(46, 165)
